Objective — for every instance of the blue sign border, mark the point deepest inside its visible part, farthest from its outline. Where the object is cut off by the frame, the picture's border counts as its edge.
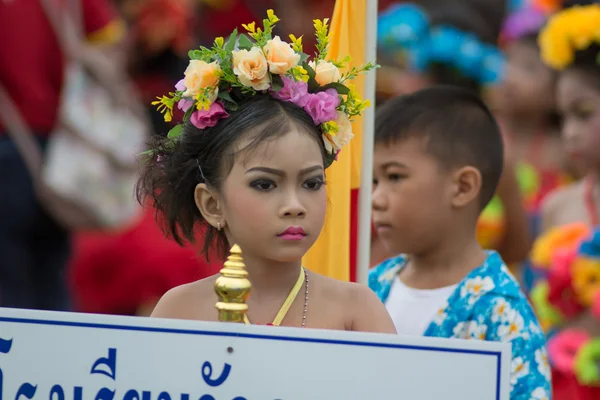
(497, 354)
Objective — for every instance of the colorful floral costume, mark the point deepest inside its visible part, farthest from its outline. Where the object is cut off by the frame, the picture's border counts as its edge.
(570, 258)
(487, 305)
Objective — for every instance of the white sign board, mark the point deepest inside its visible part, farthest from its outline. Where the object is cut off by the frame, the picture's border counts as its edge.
(67, 356)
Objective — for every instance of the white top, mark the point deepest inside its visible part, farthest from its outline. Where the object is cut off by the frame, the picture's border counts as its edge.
(412, 310)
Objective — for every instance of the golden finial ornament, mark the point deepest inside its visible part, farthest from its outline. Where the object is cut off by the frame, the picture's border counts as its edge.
(233, 288)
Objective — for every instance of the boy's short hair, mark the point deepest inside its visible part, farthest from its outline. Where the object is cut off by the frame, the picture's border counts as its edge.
(459, 128)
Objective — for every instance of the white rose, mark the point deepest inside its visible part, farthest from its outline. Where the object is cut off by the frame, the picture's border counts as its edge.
(335, 142)
(252, 68)
(326, 72)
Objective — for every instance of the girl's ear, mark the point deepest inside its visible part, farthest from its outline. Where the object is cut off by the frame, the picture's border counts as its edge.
(209, 203)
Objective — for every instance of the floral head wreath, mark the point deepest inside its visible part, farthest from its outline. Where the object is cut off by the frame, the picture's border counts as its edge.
(525, 21)
(406, 29)
(568, 31)
(219, 78)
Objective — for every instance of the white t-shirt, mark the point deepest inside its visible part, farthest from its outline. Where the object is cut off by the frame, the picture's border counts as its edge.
(412, 310)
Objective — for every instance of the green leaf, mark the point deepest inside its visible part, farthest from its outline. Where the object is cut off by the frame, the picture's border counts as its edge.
(229, 107)
(244, 42)
(230, 45)
(313, 85)
(189, 112)
(340, 88)
(225, 97)
(276, 82)
(195, 54)
(311, 72)
(303, 58)
(147, 153)
(175, 132)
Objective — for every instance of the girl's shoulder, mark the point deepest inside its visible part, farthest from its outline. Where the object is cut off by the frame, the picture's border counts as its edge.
(360, 307)
(192, 301)
(563, 195)
(563, 206)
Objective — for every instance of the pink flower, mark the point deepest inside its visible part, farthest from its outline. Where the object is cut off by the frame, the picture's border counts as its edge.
(183, 104)
(180, 86)
(203, 119)
(292, 91)
(322, 106)
(563, 348)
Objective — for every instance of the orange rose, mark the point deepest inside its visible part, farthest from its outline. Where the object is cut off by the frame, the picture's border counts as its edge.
(280, 56)
(200, 75)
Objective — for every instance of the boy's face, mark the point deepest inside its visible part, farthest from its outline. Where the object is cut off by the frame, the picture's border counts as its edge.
(411, 197)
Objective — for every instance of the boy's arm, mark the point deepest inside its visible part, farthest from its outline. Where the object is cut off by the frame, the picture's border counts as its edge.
(513, 321)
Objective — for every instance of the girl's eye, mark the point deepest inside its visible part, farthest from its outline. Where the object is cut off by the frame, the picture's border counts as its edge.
(263, 185)
(395, 177)
(313, 184)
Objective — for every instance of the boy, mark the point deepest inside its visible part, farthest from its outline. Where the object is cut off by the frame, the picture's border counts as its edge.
(438, 159)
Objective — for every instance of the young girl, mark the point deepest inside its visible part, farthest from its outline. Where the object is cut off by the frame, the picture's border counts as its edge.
(525, 106)
(578, 100)
(569, 44)
(450, 43)
(261, 125)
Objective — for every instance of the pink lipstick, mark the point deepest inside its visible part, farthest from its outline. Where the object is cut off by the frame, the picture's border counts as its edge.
(293, 233)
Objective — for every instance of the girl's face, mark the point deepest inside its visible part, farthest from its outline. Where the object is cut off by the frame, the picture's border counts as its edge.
(578, 99)
(274, 198)
(528, 86)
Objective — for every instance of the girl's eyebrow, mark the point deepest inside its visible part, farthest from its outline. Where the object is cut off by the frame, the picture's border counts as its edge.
(281, 173)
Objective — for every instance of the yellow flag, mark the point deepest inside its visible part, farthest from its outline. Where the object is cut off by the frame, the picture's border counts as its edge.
(330, 255)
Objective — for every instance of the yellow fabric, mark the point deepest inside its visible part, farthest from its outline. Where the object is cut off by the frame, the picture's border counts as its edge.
(109, 34)
(288, 301)
(330, 255)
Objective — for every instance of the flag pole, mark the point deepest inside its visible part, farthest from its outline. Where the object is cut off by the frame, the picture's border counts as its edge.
(366, 175)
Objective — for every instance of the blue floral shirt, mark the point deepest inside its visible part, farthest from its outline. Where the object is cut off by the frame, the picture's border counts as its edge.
(487, 305)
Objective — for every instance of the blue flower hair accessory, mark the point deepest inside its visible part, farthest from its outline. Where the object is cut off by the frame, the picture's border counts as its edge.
(406, 29)
(591, 247)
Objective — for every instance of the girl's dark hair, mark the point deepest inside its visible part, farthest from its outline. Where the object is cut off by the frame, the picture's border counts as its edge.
(586, 62)
(169, 179)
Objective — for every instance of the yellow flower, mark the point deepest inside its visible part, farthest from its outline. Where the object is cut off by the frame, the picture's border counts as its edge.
(296, 43)
(251, 27)
(280, 56)
(586, 279)
(565, 237)
(165, 105)
(568, 31)
(271, 17)
(252, 68)
(300, 74)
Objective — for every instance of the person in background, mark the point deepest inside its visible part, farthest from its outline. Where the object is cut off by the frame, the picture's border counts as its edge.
(525, 105)
(438, 158)
(453, 43)
(34, 248)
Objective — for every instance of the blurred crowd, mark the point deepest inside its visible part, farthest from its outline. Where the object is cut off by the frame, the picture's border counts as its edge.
(127, 268)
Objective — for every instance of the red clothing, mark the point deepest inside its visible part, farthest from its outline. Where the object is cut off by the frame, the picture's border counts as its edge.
(31, 63)
(567, 388)
(118, 273)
